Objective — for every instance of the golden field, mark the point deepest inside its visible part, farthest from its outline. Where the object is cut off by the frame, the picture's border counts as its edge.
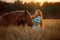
(50, 32)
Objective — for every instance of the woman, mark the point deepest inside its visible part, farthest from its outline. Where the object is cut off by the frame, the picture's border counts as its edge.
(38, 20)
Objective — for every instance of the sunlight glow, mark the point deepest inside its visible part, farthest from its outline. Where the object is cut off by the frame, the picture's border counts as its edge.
(41, 0)
(33, 1)
(9, 1)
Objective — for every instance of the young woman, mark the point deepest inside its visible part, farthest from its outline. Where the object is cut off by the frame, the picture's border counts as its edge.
(38, 20)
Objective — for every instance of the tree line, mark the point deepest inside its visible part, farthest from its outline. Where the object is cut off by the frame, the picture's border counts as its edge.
(50, 10)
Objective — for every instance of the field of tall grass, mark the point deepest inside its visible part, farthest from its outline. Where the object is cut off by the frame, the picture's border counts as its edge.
(50, 32)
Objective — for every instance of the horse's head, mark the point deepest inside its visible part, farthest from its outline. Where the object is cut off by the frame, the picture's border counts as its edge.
(28, 18)
(25, 18)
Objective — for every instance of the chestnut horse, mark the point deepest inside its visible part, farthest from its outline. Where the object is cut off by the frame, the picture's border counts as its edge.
(16, 18)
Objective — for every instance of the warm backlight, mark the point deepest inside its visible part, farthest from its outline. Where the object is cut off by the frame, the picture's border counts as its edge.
(33, 0)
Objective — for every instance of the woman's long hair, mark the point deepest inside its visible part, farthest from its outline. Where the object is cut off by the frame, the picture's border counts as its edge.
(39, 12)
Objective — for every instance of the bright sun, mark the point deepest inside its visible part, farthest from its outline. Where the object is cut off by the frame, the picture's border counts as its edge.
(40, 1)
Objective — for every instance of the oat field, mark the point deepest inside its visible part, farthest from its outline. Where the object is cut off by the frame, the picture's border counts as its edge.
(50, 32)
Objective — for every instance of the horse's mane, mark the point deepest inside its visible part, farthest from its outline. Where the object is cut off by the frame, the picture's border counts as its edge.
(13, 12)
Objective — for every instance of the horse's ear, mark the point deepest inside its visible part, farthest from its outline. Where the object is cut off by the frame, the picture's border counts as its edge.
(26, 11)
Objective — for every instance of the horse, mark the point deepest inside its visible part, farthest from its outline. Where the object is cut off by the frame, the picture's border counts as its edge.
(16, 18)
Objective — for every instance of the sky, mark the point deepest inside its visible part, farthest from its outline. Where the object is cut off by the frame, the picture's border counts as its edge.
(33, 0)
(41, 0)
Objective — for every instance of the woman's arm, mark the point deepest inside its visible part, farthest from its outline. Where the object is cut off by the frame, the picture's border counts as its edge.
(32, 16)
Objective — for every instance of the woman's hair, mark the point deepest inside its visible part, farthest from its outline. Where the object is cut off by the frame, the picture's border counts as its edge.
(39, 13)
